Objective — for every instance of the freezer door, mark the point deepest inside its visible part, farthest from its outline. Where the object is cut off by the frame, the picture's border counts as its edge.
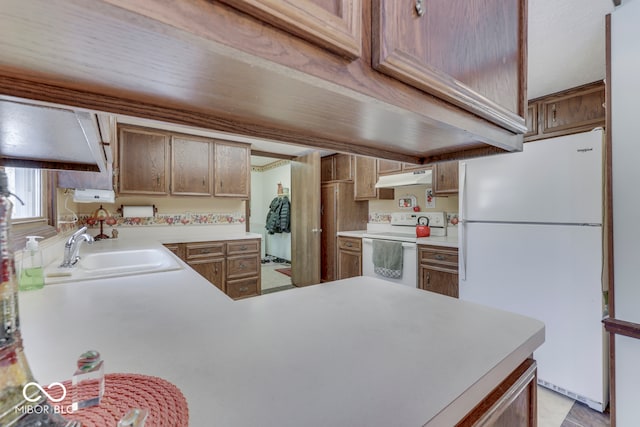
(555, 180)
(551, 273)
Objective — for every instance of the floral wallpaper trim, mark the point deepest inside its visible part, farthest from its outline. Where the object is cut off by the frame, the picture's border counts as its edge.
(380, 217)
(270, 166)
(181, 219)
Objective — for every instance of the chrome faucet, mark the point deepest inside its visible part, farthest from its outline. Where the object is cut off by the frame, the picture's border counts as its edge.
(72, 247)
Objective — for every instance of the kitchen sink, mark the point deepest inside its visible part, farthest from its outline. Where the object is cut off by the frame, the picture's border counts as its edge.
(106, 259)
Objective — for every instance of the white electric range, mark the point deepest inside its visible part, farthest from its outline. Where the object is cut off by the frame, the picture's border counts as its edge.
(401, 229)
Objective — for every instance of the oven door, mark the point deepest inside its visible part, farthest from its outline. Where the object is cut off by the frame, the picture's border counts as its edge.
(409, 263)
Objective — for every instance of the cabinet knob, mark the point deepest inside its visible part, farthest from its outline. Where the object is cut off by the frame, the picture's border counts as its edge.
(243, 248)
(242, 266)
(420, 7)
(349, 244)
(440, 257)
(243, 289)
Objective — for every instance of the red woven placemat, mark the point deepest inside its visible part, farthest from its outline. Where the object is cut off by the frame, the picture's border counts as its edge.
(166, 405)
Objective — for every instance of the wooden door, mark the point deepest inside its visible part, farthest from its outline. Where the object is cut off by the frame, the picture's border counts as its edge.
(575, 110)
(232, 170)
(144, 162)
(470, 53)
(327, 168)
(305, 220)
(335, 25)
(328, 236)
(441, 282)
(343, 167)
(191, 166)
(532, 120)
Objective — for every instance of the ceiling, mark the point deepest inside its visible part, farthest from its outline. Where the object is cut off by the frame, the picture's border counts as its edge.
(566, 44)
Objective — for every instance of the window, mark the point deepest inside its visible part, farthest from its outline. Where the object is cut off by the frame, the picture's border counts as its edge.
(27, 184)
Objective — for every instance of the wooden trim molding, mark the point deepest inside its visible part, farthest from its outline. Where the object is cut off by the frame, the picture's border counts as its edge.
(622, 327)
(493, 406)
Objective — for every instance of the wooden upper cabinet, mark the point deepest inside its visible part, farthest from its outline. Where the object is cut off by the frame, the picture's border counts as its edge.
(388, 167)
(445, 178)
(532, 120)
(232, 171)
(335, 25)
(575, 110)
(584, 109)
(470, 53)
(365, 179)
(191, 166)
(338, 167)
(144, 162)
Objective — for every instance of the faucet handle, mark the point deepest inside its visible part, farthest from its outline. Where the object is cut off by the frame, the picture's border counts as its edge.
(80, 231)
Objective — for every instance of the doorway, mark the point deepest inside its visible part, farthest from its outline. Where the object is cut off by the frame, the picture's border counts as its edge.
(271, 191)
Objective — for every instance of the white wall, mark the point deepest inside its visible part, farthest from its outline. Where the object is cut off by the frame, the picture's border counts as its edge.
(264, 187)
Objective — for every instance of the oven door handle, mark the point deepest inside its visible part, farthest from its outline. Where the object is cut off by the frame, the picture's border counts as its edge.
(404, 244)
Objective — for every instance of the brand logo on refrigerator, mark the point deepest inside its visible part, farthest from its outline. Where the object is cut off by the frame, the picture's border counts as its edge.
(584, 150)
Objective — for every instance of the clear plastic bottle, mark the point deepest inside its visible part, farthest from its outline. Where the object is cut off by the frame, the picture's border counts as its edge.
(31, 266)
(88, 381)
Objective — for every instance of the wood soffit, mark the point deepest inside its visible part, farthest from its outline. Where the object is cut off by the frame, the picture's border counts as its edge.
(116, 60)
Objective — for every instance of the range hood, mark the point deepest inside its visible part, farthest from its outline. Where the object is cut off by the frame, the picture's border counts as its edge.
(48, 137)
(399, 180)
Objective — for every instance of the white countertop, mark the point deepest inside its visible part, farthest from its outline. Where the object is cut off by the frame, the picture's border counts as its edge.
(359, 351)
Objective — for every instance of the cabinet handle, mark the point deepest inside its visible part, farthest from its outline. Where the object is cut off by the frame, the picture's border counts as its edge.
(440, 257)
(242, 266)
(243, 289)
(203, 184)
(420, 7)
(428, 278)
(553, 113)
(206, 251)
(243, 248)
(349, 244)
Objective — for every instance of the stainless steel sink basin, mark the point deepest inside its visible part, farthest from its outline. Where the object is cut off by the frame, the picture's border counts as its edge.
(109, 259)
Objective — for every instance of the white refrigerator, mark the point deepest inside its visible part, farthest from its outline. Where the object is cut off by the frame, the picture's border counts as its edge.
(531, 242)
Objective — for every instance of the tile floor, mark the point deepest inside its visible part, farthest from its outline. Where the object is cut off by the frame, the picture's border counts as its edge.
(271, 279)
(556, 410)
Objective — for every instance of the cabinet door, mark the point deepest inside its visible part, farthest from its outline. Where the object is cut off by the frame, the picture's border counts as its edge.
(445, 178)
(349, 264)
(335, 25)
(243, 266)
(582, 110)
(327, 169)
(365, 179)
(388, 166)
(191, 167)
(470, 53)
(343, 167)
(144, 162)
(532, 120)
(232, 171)
(211, 269)
(441, 282)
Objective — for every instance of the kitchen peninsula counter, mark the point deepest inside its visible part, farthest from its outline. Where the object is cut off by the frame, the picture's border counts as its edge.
(359, 351)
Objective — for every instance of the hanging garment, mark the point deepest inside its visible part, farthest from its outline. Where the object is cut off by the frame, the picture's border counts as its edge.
(279, 216)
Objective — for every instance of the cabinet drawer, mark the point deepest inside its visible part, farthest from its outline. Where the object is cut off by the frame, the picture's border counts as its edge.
(243, 266)
(243, 288)
(204, 250)
(243, 247)
(350, 243)
(436, 255)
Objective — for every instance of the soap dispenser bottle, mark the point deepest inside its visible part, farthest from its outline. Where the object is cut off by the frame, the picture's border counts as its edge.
(31, 271)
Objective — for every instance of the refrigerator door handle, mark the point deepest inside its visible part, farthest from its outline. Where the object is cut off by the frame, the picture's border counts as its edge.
(462, 267)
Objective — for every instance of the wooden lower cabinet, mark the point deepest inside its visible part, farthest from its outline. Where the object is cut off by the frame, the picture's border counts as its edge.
(438, 269)
(233, 265)
(513, 403)
(349, 257)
